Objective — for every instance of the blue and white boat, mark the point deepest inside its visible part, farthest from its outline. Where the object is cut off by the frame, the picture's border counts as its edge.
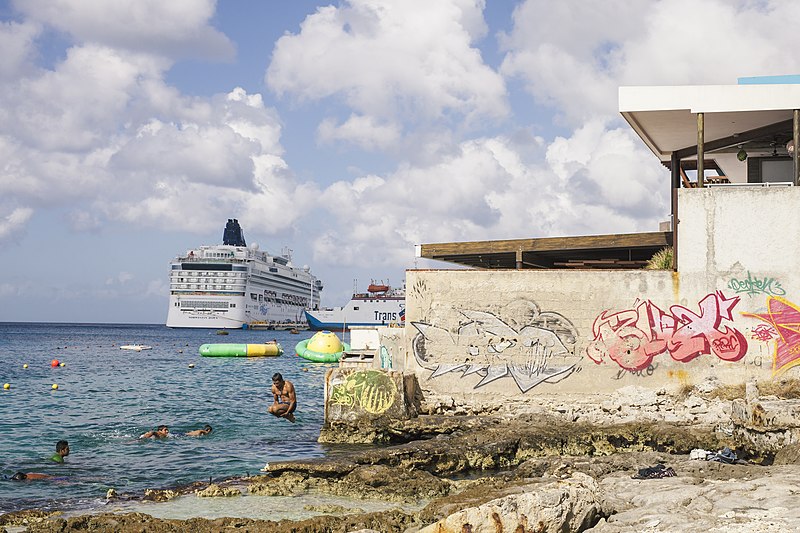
(381, 305)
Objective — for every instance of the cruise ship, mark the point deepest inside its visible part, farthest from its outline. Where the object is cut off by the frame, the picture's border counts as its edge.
(381, 305)
(232, 285)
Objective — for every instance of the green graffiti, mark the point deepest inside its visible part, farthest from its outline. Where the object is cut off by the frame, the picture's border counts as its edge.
(371, 390)
(386, 358)
(755, 285)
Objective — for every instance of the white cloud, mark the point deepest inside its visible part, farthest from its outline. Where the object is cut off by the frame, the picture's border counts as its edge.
(16, 42)
(573, 56)
(363, 131)
(177, 28)
(593, 182)
(120, 279)
(392, 63)
(14, 222)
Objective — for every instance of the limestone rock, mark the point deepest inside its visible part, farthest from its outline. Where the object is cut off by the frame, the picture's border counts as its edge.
(214, 491)
(569, 505)
(160, 495)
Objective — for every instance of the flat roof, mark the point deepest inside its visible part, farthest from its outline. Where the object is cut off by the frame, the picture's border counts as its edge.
(665, 117)
(627, 250)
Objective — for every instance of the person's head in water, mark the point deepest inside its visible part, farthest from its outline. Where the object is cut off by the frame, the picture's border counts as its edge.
(277, 378)
(159, 433)
(19, 476)
(62, 450)
(62, 447)
(205, 430)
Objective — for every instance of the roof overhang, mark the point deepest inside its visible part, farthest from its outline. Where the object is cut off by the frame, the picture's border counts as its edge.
(628, 250)
(666, 117)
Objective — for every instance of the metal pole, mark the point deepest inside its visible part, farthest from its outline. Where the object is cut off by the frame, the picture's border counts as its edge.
(796, 140)
(701, 153)
(675, 168)
(519, 259)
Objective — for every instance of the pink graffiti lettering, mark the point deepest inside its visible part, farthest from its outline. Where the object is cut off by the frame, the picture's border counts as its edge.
(784, 317)
(633, 337)
(763, 333)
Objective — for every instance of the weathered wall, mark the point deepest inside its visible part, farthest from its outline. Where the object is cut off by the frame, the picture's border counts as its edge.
(391, 350)
(727, 314)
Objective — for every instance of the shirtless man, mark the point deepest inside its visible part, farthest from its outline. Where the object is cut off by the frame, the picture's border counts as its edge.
(160, 432)
(200, 432)
(285, 400)
(22, 476)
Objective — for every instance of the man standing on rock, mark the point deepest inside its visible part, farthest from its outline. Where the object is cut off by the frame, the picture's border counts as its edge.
(285, 400)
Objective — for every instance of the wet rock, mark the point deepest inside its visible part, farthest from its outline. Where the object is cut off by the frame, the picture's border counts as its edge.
(330, 508)
(26, 518)
(215, 491)
(160, 495)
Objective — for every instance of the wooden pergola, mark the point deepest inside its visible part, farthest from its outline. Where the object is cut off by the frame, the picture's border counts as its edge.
(628, 251)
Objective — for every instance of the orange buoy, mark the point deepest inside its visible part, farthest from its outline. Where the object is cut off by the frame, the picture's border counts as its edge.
(54, 363)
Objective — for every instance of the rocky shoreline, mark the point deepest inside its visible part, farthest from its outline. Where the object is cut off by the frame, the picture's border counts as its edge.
(548, 468)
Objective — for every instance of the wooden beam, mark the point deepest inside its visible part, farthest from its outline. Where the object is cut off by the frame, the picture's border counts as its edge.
(701, 149)
(796, 141)
(739, 138)
(546, 244)
(675, 166)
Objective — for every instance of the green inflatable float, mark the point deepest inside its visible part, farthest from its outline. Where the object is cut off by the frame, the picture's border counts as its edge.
(323, 347)
(241, 350)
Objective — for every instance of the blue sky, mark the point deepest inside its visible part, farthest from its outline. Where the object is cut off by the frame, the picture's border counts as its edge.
(131, 130)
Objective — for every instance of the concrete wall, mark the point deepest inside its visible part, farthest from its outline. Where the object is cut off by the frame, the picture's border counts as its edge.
(728, 314)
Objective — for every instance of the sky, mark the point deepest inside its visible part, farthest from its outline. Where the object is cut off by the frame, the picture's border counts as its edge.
(347, 132)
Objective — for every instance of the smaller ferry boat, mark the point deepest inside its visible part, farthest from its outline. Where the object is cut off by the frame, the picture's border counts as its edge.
(381, 305)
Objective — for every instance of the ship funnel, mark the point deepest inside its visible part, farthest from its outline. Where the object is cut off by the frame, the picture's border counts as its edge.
(233, 235)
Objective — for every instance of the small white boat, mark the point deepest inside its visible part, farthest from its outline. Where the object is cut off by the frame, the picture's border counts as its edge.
(136, 347)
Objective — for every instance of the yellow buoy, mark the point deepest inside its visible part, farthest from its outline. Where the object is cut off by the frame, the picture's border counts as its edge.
(55, 386)
(25, 365)
(7, 386)
(62, 364)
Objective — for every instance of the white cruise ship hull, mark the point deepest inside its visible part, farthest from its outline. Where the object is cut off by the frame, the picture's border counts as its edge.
(229, 286)
(359, 312)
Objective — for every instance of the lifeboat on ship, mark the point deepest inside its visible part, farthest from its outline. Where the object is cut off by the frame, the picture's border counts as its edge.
(374, 287)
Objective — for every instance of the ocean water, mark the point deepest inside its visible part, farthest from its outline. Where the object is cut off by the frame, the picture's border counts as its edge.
(107, 397)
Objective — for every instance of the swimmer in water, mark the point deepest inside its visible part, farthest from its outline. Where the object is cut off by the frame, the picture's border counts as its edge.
(62, 450)
(200, 432)
(161, 432)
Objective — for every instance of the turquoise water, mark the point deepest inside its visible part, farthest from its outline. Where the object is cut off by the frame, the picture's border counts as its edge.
(107, 397)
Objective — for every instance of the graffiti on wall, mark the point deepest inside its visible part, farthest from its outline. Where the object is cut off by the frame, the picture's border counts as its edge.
(647, 372)
(762, 332)
(371, 390)
(386, 358)
(755, 285)
(633, 337)
(784, 318)
(531, 347)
